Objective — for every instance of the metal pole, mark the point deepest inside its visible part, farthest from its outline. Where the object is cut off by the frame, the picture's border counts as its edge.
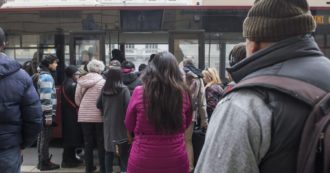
(209, 50)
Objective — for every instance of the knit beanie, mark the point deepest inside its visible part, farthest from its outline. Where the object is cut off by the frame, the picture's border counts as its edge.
(275, 20)
(237, 54)
(115, 63)
(71, 70)
(127, 67)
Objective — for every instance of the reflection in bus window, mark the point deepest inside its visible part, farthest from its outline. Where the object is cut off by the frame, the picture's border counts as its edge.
(140, 53)
(186, 48)
(21, 55)
(87, 50)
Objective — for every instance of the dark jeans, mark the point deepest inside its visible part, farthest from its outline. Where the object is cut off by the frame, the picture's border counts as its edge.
(43, 143)
(10, 160)
(91, 130)
(123, 162)
(109, 159)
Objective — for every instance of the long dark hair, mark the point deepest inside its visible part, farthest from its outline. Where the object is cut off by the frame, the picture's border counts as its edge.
(163, 93)
(114, 81)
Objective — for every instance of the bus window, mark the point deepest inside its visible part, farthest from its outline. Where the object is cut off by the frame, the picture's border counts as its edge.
(87, 50)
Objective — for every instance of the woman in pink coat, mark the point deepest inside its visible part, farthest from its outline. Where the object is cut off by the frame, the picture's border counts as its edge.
(158, 114)
(88, 89)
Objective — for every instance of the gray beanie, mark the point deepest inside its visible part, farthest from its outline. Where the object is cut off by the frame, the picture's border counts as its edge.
(275, 20)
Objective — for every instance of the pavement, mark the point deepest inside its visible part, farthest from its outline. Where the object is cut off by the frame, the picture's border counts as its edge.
(30, 161)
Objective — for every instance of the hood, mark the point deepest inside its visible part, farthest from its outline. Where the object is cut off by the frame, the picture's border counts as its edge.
(295, 47)
(89, 80)
(190, 74)
(8, 66)
(193, 71)
(114, 92)
(129, 78)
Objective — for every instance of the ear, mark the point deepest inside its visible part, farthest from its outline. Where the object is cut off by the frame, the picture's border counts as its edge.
(252, 47)
(256, 47)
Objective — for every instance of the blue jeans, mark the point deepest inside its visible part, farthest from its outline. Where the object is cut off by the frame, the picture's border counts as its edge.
(10, 160)
(109, 157)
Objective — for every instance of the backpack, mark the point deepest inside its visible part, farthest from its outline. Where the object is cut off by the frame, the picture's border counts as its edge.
(314, 148)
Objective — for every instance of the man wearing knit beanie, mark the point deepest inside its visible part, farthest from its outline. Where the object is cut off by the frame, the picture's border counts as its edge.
(258, 129)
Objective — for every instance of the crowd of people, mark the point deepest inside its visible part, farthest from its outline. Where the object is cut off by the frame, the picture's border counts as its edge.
(101, 105)
(119, 103)
(159, 109)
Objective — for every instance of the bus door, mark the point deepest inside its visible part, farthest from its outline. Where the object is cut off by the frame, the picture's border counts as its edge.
(87, 45)
(188, 44)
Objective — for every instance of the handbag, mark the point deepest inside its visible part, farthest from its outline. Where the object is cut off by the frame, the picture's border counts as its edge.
(198, 139)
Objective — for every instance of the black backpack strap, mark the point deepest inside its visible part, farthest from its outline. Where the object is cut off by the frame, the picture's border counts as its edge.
(316, 132)
(299, 89)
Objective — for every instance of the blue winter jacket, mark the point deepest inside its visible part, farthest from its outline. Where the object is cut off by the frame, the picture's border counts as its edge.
(20, 109)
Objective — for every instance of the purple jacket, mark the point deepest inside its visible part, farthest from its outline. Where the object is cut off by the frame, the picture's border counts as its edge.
(153, 152)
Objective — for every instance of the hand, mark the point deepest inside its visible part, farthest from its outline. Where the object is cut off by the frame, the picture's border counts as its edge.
(129, 138)
(117, 150)
(48, 121)
(204, 125)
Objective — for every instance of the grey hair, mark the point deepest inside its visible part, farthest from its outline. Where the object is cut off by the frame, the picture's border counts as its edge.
(95, 66)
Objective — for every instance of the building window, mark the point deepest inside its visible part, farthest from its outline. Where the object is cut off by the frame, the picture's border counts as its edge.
(151, 46)
(129, 46)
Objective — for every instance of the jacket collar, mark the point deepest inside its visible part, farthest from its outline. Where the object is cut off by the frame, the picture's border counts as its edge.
(44, 70)
(295, 47)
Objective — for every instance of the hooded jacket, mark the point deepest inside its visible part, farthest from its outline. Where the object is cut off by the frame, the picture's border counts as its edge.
(193, 78)
(88, 89)
(258, 130)
(47, 92)
(20, 109)
(131, 80)
(113, 107)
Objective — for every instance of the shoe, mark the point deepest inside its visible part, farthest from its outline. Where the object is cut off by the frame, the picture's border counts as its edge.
(75, 160)
(80, 155)
(47, 165)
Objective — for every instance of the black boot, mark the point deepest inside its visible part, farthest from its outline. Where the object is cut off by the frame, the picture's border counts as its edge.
(47, 165)
(69, 158)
